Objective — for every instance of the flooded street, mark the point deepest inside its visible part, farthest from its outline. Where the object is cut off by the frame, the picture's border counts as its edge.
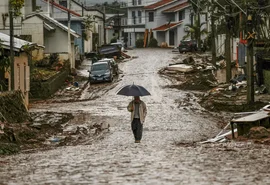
(168, 152)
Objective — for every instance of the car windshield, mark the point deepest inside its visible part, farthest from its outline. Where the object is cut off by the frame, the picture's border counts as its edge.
(185, 42)
(99, 67)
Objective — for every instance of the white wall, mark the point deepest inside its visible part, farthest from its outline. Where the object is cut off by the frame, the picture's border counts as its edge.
(34, 26)
(56, 42)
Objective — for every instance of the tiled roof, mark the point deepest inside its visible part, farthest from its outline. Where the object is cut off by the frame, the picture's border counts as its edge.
(165, 27)
(177, 7)
(158, 4)
(63, 8)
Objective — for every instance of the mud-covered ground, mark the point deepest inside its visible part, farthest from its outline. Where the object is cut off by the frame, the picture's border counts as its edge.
(169, 152)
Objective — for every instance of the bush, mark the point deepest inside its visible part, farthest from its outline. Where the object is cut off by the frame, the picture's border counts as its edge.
(113, 40)
(139, 43)
(153, 43)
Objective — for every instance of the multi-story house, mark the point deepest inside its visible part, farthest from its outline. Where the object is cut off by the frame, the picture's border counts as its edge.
(167, 19)
(90, 39)
(136, 20)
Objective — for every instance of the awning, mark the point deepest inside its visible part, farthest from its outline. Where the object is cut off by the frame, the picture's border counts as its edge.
(166, 27)
(48, 27)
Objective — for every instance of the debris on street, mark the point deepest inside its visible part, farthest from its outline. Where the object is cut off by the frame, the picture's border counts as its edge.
(192, 74)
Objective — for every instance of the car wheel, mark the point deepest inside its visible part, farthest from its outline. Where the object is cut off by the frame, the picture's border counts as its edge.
(111, 79)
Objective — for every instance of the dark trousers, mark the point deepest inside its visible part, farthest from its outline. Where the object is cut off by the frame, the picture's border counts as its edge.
(137, 128)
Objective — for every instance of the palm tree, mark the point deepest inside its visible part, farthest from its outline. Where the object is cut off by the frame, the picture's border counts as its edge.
(197, 6)
(195, 31)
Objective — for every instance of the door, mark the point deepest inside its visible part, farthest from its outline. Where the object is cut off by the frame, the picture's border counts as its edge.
(171, 38)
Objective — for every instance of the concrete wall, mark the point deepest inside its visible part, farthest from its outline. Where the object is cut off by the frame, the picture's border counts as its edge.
(47, 88)
(34, 27)
(22, 76)
(56, 42)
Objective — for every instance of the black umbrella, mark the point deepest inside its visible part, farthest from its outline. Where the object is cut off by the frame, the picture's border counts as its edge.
(133, 90)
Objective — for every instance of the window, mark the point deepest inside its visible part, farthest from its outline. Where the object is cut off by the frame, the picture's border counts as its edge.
(134, 17)
(181, 15)
(134, 2)
(140, 16)
(151, 16)
(63, 3)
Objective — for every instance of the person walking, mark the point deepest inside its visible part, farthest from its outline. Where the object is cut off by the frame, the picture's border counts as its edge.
(138, 113)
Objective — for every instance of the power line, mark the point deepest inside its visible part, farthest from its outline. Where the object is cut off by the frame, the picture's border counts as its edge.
(239, 7)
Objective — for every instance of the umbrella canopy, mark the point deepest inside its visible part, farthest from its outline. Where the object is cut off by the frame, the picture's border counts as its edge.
(133, 90)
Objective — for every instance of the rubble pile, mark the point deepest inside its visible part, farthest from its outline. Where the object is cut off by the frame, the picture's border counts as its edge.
(192, 74)
(196, 72)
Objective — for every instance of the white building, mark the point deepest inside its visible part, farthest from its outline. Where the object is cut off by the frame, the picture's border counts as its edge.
(167, 19)
(136, 20)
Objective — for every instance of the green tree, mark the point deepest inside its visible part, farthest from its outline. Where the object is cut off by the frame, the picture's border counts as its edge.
(17, 6)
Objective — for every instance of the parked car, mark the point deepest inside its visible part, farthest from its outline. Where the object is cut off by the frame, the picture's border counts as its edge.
(113, 64)
(109, 51)
(120, 45)
(100, 72)
(92, 56)
(187, 46)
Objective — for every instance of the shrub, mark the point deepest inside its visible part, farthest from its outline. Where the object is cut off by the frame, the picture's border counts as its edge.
(139, 43)
(113, 40)
(153, 43)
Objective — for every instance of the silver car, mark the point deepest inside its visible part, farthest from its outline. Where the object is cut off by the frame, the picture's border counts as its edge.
(100, 72)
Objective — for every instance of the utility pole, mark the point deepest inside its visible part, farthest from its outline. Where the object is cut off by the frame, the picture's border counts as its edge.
(104, 20)
(250, 67)
(118, 20)
(199, 24)
(11, 36)
(213, 31)
(48, 7)
(228, 45)
(69, 40)
(52, 8)
(82, 9)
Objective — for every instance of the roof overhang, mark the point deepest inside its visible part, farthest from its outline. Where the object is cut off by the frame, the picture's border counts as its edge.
(18, 43)
(158, 5)
(166, 27)
(48, 27)
(51, 20)
(177, 8)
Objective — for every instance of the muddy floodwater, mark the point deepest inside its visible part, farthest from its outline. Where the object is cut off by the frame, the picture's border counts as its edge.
(169, 152)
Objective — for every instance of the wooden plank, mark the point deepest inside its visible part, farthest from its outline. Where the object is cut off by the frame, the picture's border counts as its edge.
(145, 38)
(252, 118)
